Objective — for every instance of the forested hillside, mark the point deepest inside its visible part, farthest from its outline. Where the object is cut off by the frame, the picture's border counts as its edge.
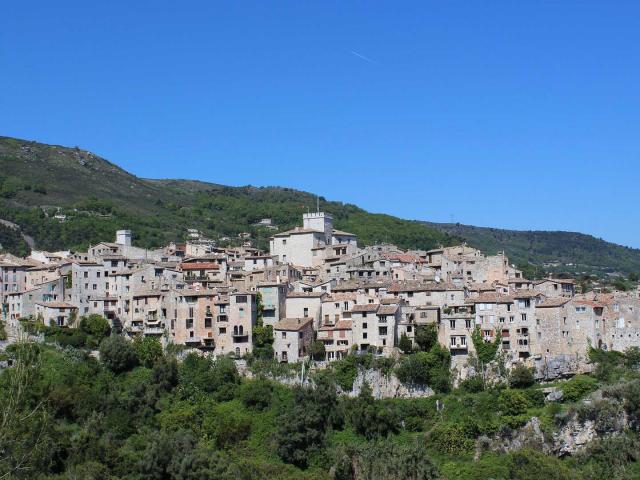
(93, 197)
(39, 181)
(138, 413)
(555, 251)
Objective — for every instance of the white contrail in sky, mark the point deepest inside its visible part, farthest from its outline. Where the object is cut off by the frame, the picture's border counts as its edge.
(359, 55)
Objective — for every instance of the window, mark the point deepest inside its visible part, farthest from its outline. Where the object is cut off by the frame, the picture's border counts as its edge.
(467, 323)
(241, 299)
(452, 324)
(463, 340)
(501, 320)
(189, 323)
(524, 317)
(222, 330)
(207, 322)
(364, 335)
(511, 319)
(453, 341)
(305, 312)
(364, 325)
(283, 335)
(284, 241)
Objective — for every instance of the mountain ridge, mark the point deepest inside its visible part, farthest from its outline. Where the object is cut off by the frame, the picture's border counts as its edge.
(95, 197)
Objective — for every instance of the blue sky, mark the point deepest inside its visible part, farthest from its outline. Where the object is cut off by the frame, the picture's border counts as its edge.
(520, 115)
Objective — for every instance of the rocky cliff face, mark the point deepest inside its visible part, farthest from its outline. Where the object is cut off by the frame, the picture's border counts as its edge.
(387, 386)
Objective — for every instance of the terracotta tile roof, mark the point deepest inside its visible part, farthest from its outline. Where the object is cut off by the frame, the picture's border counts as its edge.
(568, 281)
(293, 324)
(388, 309)
(369, 307)
(305, 294)
(553, 302)
(339, 325)
(56, 304)
(525, 294)
(343, 234)
(490, 298)
(200, 266)
(484, 287)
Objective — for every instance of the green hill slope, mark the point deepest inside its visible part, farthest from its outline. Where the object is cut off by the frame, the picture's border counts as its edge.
(555, 251)
(38, 181)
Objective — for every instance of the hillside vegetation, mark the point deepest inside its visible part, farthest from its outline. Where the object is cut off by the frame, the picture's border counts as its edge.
(138, 414)
(556, 251)
(39, 181)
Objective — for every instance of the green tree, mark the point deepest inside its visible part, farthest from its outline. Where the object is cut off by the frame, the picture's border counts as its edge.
(370, 418)
(426, 336)
(317, 351)
(430, 368)
(303, 426)
(96, 326)
(405, 344)
(118, 354)
(485, 350)
(521, 376)
(148, 349)
(385, 460)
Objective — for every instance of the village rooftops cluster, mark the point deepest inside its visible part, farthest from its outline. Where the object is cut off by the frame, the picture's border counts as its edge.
(317, 284)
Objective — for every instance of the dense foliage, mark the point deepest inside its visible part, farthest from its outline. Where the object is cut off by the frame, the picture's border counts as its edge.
(130, 415)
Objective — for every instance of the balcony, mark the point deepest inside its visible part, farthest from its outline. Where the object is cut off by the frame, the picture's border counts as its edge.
(458, 346)
(193, 341)
(153, 331)
(136, 329)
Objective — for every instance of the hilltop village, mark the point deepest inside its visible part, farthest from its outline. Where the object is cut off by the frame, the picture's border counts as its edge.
(317, 285)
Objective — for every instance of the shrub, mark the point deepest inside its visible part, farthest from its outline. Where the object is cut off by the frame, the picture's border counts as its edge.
(256, 393)
(118, 354)
(576, 388)
(427, 368)
(317, 350)
(535, 397)
(513, 402)
(533, 465)
(227, 425)
(473, 384)
(451, 439)
(405, 344)
(521, 376)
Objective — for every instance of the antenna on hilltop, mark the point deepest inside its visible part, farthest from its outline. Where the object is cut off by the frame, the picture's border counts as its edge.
(317, 204)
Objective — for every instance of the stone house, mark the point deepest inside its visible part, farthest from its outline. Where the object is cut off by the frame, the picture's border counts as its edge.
(337, 339)
(55, 313)
(292, 338)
